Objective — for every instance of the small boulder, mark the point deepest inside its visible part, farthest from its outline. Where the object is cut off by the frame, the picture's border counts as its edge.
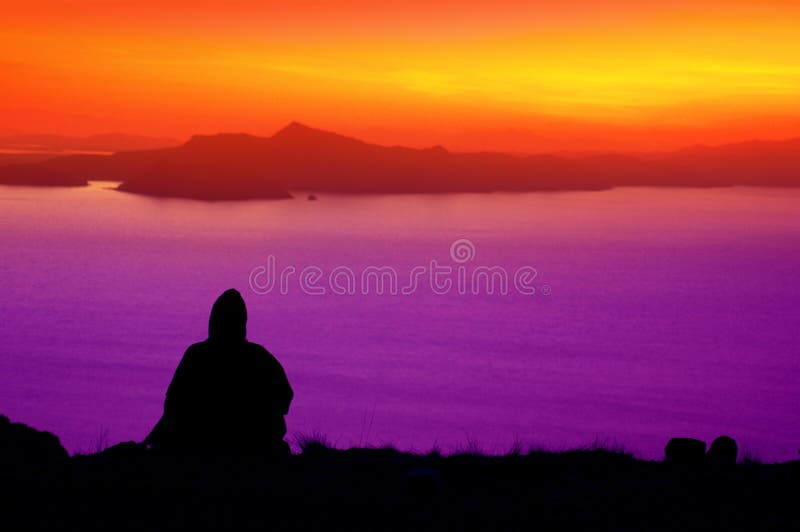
(723, 452)
(22, 443)
(687, 451)
(312, 197)
(29, 456)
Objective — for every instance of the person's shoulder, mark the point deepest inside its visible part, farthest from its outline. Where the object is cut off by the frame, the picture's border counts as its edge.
(196, 350)
(260, 350)
(256, 348)
(197, 347)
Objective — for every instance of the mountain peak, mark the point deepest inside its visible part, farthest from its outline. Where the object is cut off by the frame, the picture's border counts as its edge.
(301, 134)
(294, 124)
(296, 128)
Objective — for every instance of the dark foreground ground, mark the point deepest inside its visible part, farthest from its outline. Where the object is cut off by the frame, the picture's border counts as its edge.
(131, 488)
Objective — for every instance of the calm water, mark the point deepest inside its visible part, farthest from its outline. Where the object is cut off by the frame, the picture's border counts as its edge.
(671, 312)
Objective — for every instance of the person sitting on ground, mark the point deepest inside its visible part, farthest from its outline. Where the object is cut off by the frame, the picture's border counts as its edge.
(227, 394)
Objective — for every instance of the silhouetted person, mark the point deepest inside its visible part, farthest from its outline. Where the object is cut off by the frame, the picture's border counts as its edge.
(227, 394)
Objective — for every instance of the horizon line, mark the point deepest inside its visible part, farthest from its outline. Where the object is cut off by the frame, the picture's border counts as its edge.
(296, 123)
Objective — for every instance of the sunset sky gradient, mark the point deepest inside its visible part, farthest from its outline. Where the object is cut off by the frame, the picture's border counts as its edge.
(522, 76)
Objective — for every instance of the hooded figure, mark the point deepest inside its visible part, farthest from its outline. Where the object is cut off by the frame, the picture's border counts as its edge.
(227, 393)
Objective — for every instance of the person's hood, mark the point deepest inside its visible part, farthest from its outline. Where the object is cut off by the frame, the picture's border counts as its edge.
(228, 319)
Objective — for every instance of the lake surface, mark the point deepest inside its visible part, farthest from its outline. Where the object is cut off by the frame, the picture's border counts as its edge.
(656, 313)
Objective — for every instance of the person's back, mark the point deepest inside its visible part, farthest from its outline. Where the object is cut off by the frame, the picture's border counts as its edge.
(227, 393)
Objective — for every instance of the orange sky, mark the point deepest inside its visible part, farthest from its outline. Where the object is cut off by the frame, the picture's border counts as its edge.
(514, 75)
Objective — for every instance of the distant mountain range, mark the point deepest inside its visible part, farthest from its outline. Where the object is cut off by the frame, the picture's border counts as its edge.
(239, 166)
(109, 142)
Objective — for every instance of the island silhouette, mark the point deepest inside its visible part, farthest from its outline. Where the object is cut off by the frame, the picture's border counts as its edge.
(240, 166)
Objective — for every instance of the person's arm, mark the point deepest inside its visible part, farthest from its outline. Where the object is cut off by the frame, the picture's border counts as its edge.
(286, 394)
(172, 403)
(176, 392)
(280, 390)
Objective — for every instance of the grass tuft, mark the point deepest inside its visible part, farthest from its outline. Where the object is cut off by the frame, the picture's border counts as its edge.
(310, 442)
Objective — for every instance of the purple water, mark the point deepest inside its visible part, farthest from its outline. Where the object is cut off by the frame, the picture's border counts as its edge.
(672, 312)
